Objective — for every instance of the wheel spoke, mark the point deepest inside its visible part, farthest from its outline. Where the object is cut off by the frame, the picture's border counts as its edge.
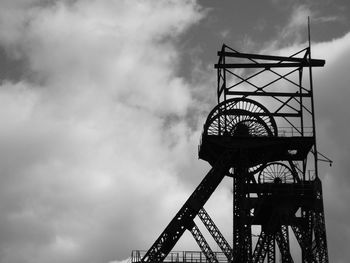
(276, 173)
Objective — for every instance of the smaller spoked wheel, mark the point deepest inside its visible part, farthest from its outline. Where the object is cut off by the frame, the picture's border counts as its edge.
(276, 173)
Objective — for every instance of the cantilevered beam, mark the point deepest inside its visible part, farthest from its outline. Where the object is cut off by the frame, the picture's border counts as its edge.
(314, 62)
(271, 65)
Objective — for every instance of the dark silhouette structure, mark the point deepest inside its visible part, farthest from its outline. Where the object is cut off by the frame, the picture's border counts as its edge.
(262, 134)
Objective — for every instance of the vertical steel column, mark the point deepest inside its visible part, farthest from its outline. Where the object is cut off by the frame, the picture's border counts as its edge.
(241, 228)
(320, 226)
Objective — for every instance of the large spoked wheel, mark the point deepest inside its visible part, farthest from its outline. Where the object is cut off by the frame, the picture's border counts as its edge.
(276, 173)
(240, 117)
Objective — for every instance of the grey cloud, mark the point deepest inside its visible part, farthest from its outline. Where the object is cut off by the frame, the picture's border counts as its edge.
(332, 93)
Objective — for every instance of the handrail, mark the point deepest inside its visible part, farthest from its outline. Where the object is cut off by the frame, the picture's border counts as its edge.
(180, 257)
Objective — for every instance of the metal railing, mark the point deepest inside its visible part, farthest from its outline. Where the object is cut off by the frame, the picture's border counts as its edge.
(282, 132)
(294, 131)
(180, 256)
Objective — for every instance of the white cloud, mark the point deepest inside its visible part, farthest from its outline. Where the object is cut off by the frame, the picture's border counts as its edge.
(90, 137)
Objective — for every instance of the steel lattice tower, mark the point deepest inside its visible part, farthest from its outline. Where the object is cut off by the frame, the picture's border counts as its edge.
(262, 134)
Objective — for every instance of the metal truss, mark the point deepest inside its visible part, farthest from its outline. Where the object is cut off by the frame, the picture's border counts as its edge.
(311, 235)
(320, 238)
(265, 245)
(282, 238)
(261, 247)
(184, 218)
(216, 234)
(203, 244)
(305, 242)
(271, 250)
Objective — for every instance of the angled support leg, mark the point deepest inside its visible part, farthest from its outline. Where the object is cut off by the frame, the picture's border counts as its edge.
(282, 238)
(271, 250)
(306, 247)
(203, 244)
(184, 218)
(216, 234)
(260, 248)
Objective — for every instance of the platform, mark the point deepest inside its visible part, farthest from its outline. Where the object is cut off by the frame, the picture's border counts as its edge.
(256, 150)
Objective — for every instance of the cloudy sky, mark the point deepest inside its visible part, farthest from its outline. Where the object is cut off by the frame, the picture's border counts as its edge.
(102, 104)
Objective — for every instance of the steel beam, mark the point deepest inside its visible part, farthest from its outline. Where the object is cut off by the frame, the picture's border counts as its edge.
(203, 244)
(216, 234)
(282, 238)
(312, 62)
(267, 65)
(267, 94)
(184, 218)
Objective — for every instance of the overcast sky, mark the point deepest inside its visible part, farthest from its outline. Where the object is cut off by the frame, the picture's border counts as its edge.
(102, 105)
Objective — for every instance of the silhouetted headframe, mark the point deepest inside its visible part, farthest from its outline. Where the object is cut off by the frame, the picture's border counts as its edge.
(261, 134)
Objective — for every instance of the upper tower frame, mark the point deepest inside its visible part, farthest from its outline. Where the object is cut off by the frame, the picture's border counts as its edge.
(283, 84)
